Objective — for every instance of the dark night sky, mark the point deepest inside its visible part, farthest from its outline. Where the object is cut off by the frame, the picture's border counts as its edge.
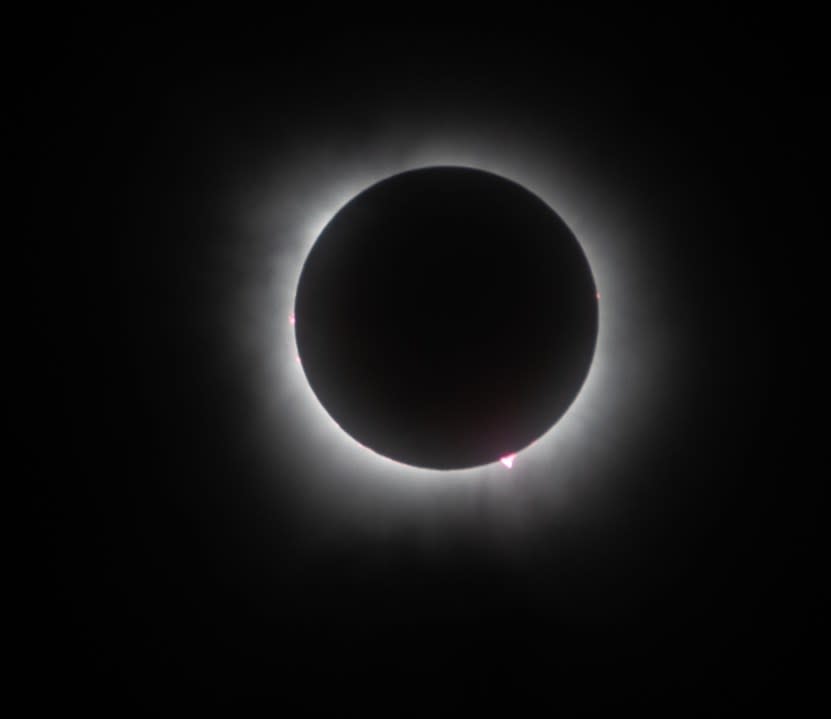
(160, 569)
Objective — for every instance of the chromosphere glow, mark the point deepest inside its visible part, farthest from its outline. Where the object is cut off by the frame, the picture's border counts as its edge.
(508, 460)
(618, 400)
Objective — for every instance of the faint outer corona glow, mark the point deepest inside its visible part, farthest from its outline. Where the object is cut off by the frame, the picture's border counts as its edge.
(286, 217)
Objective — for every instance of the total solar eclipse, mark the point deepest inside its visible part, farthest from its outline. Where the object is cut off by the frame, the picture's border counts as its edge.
(446, 317)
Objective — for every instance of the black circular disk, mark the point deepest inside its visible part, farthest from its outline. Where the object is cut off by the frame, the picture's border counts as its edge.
(446, 317)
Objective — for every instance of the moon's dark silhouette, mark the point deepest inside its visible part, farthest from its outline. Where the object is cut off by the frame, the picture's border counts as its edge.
(446, 317)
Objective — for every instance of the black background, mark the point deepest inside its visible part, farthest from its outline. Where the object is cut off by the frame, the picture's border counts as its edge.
(157, 576)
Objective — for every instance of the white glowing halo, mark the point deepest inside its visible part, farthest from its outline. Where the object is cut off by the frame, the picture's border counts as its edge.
(620, 390)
